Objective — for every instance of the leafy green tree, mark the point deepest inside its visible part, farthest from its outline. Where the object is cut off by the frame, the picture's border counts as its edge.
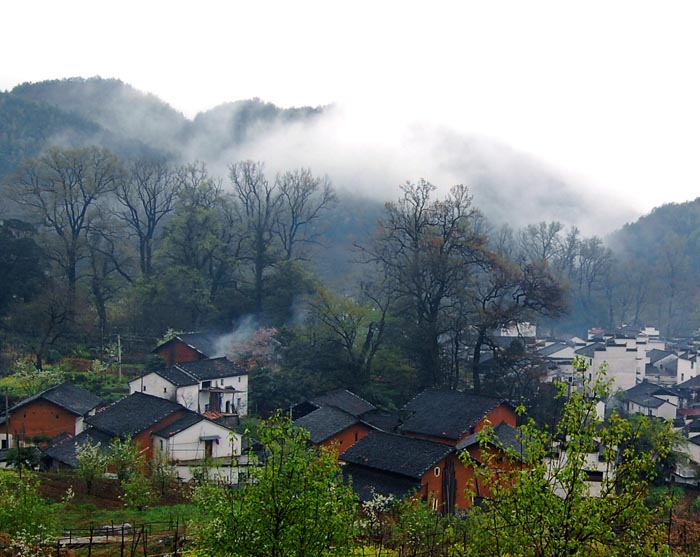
(545, 507)
(124, 458)
(28, 380)
(294, 505)
(163, 472)
(137, 491)
(22, 507)
(92, 464)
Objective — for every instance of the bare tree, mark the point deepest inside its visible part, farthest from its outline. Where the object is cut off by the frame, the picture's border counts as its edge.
(303, 198)
(146, 196)
(429, 248)
(260, 205)
(61, 188)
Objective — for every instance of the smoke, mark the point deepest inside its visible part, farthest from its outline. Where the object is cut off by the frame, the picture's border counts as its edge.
(243, 332)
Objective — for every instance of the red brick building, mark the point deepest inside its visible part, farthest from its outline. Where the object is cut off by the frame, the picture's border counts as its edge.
(61, 409)
(188, 347)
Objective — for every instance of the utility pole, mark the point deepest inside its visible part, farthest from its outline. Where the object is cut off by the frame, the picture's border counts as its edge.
(119, 354)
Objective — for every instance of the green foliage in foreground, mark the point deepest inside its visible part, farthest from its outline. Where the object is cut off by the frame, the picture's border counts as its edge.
(295, 504)
(21, 506)
(550, 511)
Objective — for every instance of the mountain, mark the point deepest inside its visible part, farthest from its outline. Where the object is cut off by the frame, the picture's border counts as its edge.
(508, 186)
(114, 106)
(29, 126)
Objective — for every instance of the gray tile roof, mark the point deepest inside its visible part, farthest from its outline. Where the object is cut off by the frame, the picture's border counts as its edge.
(213, 368)
(396, 454)
(552, 349)
(655, 355)
(345, 400)
(203, 342)
(325, 422)
(70, 397)
(187, 421)
(133, 414)
(591, 349)
(65, 451)
(644, 393)
(506, 437)
(445, 414)
(191, 373)
(368, 482)
(692, 383)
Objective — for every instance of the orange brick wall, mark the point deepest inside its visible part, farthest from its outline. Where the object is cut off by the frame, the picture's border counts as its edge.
(347, 437)
(144, 441)
(502, 413)
(178, 352)
(40, 417)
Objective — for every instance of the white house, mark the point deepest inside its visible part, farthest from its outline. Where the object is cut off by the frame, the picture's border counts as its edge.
(651, 400)
(215, 384)
(196, 443)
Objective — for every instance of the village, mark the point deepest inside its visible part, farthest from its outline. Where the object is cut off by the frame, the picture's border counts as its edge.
(189, 408)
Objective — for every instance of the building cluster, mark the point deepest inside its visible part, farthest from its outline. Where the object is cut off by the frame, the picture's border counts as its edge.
(648, 375)
(423, 450)
(186, 410)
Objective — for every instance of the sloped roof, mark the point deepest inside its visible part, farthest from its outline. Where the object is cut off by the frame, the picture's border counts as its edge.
(65, 451)
(655, 355)
(187, 421)
(176, 376)
(379, 419)
(203, 342)
(644, 393)
(345, 400)
(505, 437)
(396, 454)
(552, 349)
(191, 373)
(446, 414)
(368, 482)
(72, 398)
(133, 414)
(213, 368)
(325, 422)
(591, 349)
(692, 383)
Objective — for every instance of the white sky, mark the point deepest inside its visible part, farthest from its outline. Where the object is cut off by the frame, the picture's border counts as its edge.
(608, 92)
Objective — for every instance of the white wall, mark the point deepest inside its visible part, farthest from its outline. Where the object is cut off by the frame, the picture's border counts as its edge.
(154, 385)
(187, 445)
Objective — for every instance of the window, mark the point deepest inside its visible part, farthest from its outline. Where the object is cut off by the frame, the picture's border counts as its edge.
(206, 384)
(222, 383)
(143, 388)
(161, 444)
(239, 378)
(436, 471)
(165, 390)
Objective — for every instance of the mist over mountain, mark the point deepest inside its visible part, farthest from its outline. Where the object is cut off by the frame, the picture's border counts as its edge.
(361, 154)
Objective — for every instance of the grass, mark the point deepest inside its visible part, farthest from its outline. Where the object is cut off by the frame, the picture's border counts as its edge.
(84, 515)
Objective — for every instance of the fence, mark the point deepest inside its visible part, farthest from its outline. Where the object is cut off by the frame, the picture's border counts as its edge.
(155, 539)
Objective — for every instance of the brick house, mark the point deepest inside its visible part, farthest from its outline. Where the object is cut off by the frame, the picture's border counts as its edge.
(329, 426)
(451, 416)
(392, 464)
(188, 347)
(62, 409)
